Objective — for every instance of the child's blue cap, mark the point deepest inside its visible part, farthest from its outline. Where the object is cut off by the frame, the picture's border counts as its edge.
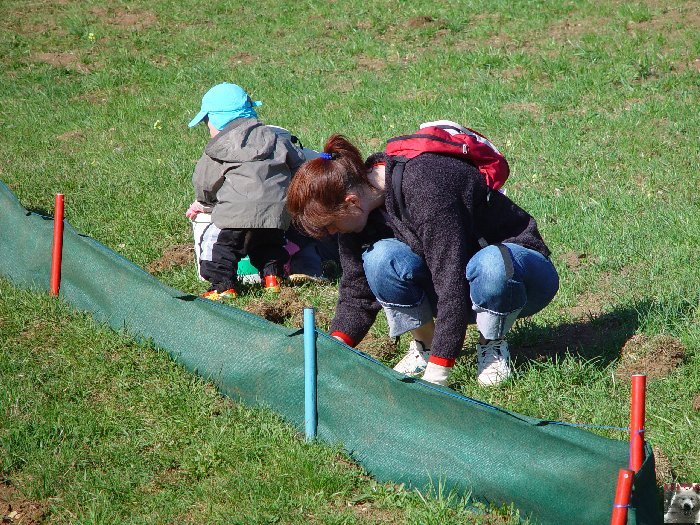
(224, 103)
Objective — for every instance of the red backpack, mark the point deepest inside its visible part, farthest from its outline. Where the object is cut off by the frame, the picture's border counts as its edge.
(449, 138)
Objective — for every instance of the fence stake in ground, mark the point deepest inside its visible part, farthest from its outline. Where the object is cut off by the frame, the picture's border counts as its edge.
(637, 415)
(622, 497)
(57, 246)
(310, 409)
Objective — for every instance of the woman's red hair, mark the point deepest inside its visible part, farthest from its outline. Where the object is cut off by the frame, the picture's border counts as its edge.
(316, 195)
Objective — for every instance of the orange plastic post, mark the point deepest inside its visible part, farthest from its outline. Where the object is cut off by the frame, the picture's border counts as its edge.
(637, 415)
(622, 497)
(57, 246)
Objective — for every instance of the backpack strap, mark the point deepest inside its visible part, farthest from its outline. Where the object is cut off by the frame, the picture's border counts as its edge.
(396, 179)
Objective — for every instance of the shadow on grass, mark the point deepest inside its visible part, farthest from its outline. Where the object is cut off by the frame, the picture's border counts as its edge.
(599, 337)
(44, 213)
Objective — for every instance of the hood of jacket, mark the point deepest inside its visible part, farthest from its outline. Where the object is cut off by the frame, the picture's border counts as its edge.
(243, 140)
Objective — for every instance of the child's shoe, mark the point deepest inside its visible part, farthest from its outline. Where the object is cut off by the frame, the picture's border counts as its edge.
(271, 284)
(213, 295)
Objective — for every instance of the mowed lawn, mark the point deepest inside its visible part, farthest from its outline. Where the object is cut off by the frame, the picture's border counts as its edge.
(593, 103)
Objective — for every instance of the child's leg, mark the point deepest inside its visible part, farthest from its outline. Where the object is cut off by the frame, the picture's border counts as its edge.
(307, 261)
(265, 247)
(219, 256)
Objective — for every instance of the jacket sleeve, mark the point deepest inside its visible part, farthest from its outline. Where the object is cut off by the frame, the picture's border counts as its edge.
(357, 307)
(207, 178)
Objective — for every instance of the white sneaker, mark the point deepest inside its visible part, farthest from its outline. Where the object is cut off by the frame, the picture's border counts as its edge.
(415, 360)
(492, 362)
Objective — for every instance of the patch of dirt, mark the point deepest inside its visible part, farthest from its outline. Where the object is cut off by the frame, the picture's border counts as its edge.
(370, 64)
(126, 19)
(588, 308)
(696, 402)
(655, 356)
(378, 347)
(513, 72)
(68, 60)
(286, 308)
(694, 65)
(243, 58)
(346, 85)
(71, 135)
(92, 97)
(664, 472)
(575, 260)
(565, 30)
(420, 21)
(177, 255)
(16, 509)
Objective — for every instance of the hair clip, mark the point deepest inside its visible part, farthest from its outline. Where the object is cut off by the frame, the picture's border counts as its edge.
(327, 156)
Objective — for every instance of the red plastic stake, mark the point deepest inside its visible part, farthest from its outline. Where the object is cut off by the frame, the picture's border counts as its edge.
(57, 246)
(637, 414)
(622, 497)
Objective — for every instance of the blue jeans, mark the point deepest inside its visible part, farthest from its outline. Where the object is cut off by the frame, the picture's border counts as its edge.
(506, 282)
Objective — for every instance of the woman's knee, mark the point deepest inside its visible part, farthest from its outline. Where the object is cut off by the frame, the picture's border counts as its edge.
(488, 265)
(394, 272)
(389, 258)
(492, 282)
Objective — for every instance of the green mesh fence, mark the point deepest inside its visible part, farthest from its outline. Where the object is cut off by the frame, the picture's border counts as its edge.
(398, 429)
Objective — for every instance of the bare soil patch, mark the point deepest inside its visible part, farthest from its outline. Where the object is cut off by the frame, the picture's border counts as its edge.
(125, 19)
(696, 402)
(382, 348)
(365, 63)
(565, 30)
(16, 509)
(71, 135)
(177, 255)
(422, 21)
(575, 260)
(288, 307)
(67, 60)
(243, 58)
(664, 471)
(655, 356)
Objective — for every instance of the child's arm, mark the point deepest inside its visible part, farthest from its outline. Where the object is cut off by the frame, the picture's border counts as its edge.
(196, 208)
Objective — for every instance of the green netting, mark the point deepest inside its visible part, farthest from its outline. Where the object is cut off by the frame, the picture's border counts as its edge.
(399, 430)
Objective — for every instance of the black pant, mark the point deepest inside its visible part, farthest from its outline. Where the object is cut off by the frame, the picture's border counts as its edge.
(264, 247)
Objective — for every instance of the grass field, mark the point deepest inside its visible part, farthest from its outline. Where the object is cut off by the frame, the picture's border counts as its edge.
(593, 103)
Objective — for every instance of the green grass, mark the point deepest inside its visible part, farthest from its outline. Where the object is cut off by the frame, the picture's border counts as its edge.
(593, 103)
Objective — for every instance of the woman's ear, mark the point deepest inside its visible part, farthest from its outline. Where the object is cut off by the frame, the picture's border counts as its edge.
(352, 199)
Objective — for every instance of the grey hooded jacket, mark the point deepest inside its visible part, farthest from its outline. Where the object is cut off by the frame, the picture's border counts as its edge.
(244, 174)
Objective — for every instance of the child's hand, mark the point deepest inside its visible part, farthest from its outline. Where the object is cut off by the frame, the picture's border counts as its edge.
(194, 209)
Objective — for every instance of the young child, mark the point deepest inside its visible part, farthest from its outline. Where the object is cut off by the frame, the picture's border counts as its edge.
(242, 178)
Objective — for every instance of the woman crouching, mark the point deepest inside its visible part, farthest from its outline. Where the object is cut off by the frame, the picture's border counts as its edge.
(455, 253)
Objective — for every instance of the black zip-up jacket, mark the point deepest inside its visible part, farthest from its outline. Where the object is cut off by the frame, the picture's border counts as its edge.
(450, 209)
